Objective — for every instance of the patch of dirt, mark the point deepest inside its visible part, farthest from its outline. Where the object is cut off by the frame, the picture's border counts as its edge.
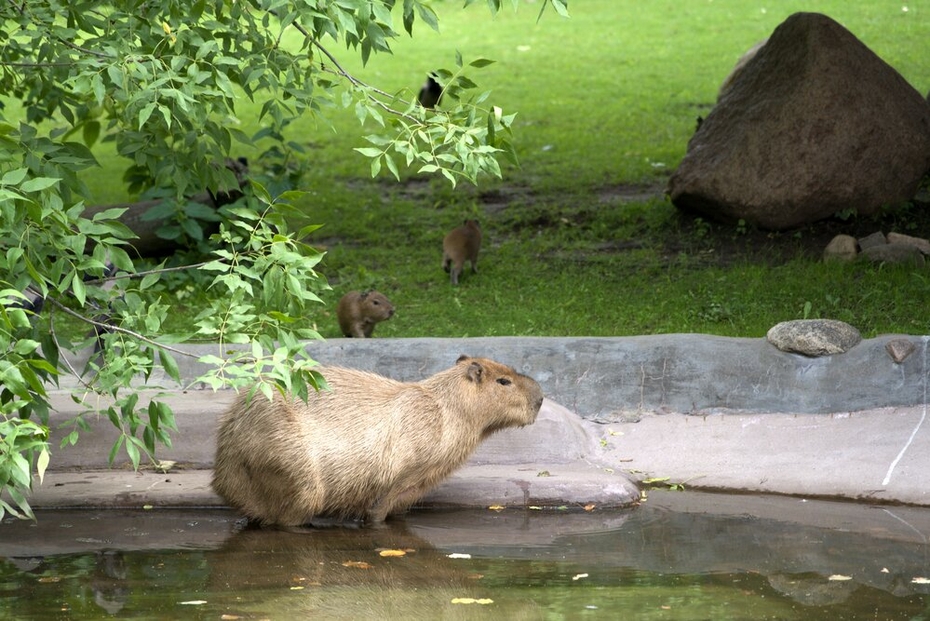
(584, 216)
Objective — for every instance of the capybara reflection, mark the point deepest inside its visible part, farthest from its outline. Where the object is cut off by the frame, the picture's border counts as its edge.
(359, 312)
(461, 244)
(367, 447)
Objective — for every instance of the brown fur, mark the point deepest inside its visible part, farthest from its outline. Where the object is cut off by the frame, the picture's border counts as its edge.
(359, 312)
(461, 244)
(368, 447)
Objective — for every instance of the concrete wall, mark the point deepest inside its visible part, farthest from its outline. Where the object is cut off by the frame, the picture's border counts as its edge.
(610, 378)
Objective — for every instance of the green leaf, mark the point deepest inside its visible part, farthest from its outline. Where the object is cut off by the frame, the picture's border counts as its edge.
(14, 177)
(132, 450)
(170, 365)
(77, 287)
(42, 464)
(37, 184)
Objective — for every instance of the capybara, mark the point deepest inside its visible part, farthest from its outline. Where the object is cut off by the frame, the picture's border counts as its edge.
(368, 446)
(461, 244)
(359, 312)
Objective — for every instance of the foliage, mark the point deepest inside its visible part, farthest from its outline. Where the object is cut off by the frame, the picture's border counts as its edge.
(160, 83)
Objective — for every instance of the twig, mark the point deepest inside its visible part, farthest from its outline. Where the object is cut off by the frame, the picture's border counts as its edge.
(119, 329)
(125, 275)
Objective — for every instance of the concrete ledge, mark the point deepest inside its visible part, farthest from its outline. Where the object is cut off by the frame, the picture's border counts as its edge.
(602, 378)
(706, 412)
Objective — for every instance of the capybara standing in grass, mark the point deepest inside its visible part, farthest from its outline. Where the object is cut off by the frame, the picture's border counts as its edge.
(367, 447)
(461, 244)
(359, 312)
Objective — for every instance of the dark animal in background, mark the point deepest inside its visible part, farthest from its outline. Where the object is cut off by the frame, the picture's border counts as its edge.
(358, 313)
(368, 447)
(148, 243)
(430, 93)
(461, 244)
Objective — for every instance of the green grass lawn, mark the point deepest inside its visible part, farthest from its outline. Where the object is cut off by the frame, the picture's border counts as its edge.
(579, 239)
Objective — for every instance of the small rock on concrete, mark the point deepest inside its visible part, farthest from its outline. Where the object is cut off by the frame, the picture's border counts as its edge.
(900, 349)
(814, 337)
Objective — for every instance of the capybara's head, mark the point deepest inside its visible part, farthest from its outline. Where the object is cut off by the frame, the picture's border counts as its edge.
(506, 398)
(375, 305)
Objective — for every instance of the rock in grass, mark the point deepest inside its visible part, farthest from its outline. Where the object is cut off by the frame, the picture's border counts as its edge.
(814, 124)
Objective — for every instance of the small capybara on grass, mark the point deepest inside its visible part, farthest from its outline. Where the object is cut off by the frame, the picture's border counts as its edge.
(461, 244)
(359, 312)
(367, 447)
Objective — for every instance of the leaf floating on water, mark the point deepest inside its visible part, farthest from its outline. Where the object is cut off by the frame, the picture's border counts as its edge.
(357, 564)
(920, 580)
(393, 553)
(543, 473)
(459, 555)
(165, 465)
(229, 617)
(194, 602)
(579, 576)
(50, 579)
(657, 480)
(497, 507)
(839, 577)
(590, 507)
(885, 570)
(534, 508)
(297, 588)
(472, 600)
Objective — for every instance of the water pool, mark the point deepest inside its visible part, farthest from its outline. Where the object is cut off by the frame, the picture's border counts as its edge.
(680, 555)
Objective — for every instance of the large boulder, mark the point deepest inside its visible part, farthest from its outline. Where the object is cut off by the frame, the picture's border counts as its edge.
(813, 124)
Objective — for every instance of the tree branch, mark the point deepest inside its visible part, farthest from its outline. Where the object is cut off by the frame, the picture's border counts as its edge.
(107, 326)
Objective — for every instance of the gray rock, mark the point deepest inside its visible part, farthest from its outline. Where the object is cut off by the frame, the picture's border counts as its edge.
(814, 337)
(899, 349)
(893, 253)
(738, 68)
(815, 123)
(870, 241)
(899, 238)
(841, 248)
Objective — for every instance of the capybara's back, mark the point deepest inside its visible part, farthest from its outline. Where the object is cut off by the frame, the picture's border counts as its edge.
(369, 446)
(461, 244)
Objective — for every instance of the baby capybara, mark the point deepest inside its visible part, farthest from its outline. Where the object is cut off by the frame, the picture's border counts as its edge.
(461, 244)
(367, 447)
(358, 313)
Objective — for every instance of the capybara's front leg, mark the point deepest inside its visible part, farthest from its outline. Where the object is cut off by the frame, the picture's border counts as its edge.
(395, 500)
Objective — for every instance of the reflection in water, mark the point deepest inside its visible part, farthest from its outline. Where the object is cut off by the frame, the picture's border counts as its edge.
(341, 574)
(111, 591)
(682, 556)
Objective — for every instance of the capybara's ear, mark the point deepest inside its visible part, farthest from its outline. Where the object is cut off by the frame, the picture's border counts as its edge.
(461, 358)
(475, 372)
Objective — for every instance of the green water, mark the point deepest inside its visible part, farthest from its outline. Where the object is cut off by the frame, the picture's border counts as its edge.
(659, 561)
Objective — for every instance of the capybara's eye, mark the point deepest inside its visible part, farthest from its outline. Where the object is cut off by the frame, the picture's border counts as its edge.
(503, 381)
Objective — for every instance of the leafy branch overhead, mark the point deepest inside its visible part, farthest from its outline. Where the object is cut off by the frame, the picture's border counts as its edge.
(161, 84)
